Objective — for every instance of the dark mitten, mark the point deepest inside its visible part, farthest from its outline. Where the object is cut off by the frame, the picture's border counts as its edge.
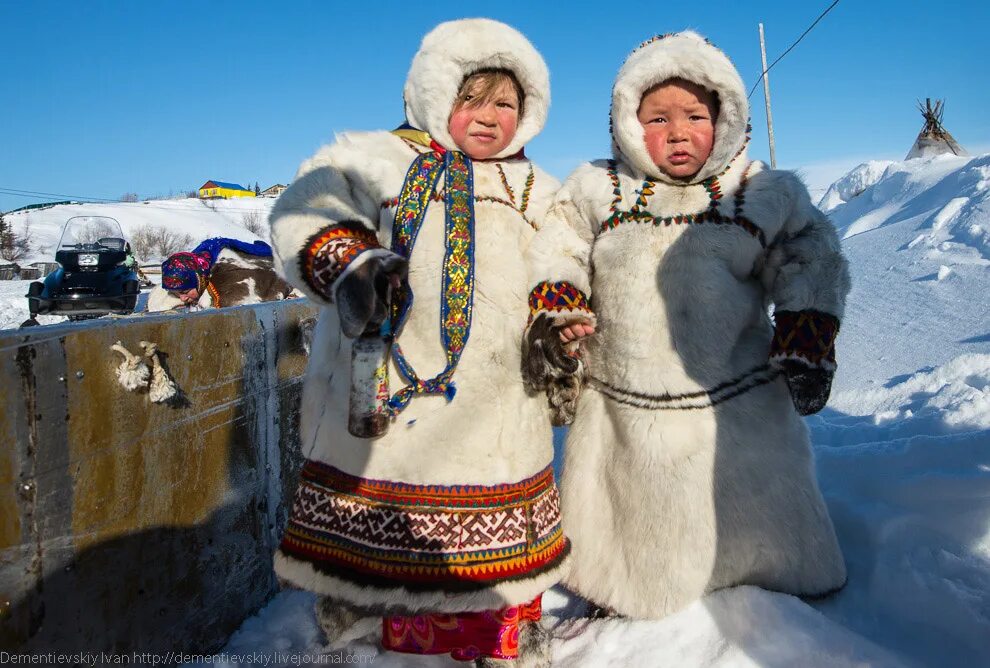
(362, 296)
(549, 366)
(809, 386)
(562, 395)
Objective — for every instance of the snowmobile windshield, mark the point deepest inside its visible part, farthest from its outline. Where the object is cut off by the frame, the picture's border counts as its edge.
(92, 233)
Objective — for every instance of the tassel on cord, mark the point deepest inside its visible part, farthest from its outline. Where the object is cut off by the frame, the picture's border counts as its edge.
(133, 373)
(162, 388)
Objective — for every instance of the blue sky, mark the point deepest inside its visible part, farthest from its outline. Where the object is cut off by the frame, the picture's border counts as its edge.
(103, 98)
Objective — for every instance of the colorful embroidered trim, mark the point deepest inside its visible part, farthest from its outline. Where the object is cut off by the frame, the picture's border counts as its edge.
(457, 283)
(710, 215)
(505, 183)
(214, 294)
(613, 175)
(809, 335)
(394, 201)
(527, 190)
(465, 636)
(424, 537)
(549, 297)
(328, 253)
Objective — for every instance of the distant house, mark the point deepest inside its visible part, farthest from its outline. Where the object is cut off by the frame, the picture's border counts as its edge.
(224, 190)
(274, 191)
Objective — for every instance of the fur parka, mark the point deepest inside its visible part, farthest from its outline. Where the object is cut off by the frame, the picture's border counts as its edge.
(364, 504)
(687, 468)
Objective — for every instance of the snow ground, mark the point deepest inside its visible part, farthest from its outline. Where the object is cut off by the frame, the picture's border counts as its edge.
(903, 457)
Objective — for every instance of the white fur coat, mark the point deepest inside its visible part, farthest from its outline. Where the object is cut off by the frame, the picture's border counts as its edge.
(687, 468)
(493, 431)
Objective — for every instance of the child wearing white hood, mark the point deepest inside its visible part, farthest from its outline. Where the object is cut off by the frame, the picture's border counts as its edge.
(447, 526)
(688, 467)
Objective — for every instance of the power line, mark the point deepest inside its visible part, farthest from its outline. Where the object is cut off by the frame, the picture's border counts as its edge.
(164, 205)
(764, 73)
(36, 193)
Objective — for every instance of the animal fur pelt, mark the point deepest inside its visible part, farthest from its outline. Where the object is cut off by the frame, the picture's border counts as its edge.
(162, 388)
(133, 373)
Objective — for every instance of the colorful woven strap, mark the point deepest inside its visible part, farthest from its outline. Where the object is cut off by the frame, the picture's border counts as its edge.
(457, 289)
(808, 335)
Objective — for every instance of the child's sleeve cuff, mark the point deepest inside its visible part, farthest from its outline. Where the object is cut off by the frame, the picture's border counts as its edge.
(333, 252)
(561, 302)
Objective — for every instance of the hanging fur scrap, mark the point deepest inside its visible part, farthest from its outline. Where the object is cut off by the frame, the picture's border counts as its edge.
(133, 373)
(162, 388)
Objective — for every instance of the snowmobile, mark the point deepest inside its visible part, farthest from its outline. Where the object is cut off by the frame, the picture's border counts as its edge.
(93, 278)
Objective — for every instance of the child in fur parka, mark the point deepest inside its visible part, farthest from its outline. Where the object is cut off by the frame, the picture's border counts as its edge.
(688, 467)
(447, 526)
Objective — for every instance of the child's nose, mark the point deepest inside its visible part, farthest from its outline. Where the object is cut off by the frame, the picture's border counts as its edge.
(486, 114)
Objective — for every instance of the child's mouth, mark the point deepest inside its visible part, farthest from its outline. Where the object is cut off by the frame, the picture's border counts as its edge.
(679, 158)
(484, 138)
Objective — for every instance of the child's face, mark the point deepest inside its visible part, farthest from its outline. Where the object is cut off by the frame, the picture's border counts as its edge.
(678, 118)
(190, 296)
(486, 129)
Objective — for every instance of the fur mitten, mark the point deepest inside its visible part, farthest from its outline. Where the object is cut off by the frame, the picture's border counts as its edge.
(809, 386)
(362, 296)
(554, 367)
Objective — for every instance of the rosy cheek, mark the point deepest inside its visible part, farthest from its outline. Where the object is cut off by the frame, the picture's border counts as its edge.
(459, 121)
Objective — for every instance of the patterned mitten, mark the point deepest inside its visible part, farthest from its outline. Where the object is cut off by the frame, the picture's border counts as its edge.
(803, 349)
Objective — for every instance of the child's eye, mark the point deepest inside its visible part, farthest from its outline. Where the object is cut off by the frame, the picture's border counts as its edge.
(506, 105)
(658, 119)
(698, 117)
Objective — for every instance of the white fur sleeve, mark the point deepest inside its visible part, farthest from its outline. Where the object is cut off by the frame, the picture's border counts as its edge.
(559, 258)
(325, 224)
(804, 269)
(804, 273)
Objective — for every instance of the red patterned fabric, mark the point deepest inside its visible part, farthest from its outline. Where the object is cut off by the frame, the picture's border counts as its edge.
(465, 636)
(808, 335)
(552, 298)
(328, 253)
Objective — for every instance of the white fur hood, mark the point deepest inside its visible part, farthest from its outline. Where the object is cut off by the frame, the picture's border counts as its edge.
(455, 49)
(685, 55)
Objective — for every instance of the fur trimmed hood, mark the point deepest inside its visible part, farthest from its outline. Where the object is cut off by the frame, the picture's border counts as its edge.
(685, 55)
(455, 49)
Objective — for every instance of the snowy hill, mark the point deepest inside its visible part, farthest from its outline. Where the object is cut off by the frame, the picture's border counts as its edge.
(200, 219)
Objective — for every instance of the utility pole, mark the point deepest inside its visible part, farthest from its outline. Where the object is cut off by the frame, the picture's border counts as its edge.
(766, 95)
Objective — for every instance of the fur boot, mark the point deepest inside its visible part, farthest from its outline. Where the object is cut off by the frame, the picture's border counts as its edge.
(342, 622)
(534, 649)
